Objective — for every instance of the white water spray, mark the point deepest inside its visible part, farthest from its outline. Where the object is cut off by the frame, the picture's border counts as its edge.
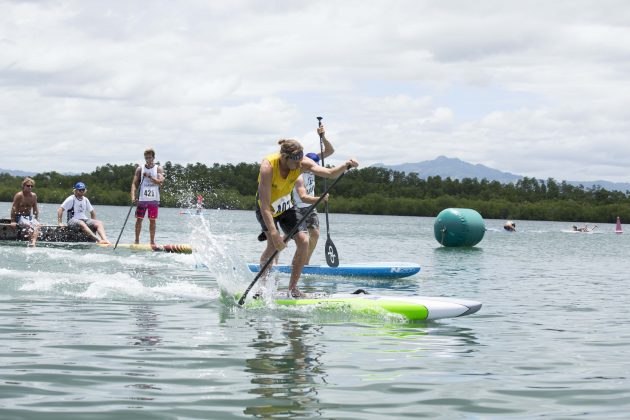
(218, 253)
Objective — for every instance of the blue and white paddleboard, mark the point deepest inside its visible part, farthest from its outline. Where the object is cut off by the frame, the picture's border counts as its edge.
(377, 269)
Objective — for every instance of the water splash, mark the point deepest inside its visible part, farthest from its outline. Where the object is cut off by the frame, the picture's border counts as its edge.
(217, 253)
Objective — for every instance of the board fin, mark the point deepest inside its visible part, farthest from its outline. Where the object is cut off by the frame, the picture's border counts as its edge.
(360, 292)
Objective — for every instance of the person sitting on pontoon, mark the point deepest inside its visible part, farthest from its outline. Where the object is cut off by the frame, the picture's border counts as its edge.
(24, 211)
(78, 206)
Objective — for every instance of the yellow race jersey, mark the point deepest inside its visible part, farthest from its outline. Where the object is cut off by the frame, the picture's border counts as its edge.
(281, 188)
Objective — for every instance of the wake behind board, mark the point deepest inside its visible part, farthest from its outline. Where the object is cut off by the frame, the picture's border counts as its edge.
(590, 232)
(383, 270)
(171, 248)
(413, 308)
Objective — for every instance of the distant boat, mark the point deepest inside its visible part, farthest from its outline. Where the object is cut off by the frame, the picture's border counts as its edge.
(618, 228)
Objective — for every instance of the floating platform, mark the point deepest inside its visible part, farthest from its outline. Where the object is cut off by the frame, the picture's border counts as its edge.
(47, 233)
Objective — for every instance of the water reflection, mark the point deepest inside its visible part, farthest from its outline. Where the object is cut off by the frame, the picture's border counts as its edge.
(286, 371)
(147, 323)
(458, 262)
(428, 338)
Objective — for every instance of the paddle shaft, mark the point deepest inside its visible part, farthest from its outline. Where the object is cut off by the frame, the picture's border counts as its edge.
(332, 256)
(286, 238)
(124, 224)
(321, 148)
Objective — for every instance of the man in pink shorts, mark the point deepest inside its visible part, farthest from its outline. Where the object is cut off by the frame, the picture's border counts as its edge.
(148, 178)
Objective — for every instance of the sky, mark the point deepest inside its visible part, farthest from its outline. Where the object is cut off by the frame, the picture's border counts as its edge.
(536, 88)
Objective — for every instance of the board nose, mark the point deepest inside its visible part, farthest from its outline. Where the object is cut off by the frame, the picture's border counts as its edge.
(472, 307)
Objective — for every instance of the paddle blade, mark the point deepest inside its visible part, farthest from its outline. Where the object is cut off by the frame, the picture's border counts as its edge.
(332, 258)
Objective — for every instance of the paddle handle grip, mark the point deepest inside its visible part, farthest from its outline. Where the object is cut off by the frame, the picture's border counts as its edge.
(321, 144)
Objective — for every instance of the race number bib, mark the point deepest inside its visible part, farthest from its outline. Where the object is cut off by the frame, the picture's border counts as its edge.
(150, 193)
(282, 204)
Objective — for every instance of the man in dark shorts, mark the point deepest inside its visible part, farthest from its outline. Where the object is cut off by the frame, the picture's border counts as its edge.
(304, 193)
(274, 205)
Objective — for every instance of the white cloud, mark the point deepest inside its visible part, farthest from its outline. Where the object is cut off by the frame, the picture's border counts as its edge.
(537, 88)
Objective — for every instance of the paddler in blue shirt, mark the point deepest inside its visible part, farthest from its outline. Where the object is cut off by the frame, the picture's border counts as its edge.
(274, 204)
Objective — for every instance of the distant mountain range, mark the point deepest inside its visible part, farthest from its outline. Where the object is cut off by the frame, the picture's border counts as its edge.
(445, 167)
(16, 173)
(458, 169)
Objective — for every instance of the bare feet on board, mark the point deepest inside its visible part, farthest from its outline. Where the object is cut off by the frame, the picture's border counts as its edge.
(296, 294)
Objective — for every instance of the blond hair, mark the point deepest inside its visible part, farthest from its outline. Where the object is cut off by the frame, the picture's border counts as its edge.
(289, 147)
(27, 179)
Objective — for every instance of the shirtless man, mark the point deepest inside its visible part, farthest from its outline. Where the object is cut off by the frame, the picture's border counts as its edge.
(24, 211)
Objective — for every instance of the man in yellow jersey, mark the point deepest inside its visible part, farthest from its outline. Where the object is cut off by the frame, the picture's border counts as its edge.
(274, 205)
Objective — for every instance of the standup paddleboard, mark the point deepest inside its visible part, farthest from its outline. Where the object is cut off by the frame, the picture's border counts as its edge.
(172, 248)
(413, 308)
(385, 269)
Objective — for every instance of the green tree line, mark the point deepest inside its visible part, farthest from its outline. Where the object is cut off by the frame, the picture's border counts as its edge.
(363, 191)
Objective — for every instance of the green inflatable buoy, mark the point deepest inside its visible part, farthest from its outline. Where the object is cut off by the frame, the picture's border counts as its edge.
(459, 227)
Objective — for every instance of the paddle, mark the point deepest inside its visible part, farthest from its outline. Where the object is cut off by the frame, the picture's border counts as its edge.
(287, 237)
(332, 257)
(124, 224)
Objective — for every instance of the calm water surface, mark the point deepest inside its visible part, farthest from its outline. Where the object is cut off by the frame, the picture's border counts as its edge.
(94, 334)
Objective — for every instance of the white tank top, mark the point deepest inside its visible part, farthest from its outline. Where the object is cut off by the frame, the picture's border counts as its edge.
(309, 185)
(148, 190)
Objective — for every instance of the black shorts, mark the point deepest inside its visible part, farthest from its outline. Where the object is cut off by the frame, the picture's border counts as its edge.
(287, 221)
(312, 220)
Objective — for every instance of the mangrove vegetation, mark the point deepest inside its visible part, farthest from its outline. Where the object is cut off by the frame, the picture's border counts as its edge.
(364, 191)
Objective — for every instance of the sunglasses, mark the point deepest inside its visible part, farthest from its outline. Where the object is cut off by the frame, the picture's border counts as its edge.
(29, 186)
(296, 156)
(82, 190)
